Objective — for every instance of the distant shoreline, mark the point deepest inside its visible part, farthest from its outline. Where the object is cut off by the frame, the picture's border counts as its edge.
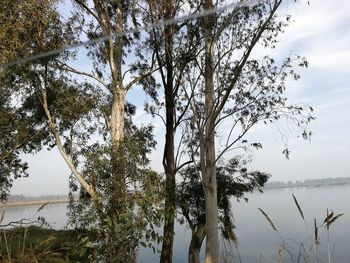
(311, 183)
(277, 186)
(36, 202)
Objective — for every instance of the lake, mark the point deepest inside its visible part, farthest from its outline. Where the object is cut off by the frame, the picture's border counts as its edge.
(257, 242)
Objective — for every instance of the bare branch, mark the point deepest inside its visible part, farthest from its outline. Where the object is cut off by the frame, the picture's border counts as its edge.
(160, 116)
(140, 78)
(229, 146)
(183, 165)
(244, 59)
(177, 159)
(65, 67)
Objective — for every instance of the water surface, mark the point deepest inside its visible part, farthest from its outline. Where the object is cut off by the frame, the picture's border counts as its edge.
(257, 242)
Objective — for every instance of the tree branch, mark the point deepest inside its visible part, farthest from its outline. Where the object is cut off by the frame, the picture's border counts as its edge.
(244, 59)
(5, 155)
(65, 67)
(87, 9)
(140, 78)
(63, 153)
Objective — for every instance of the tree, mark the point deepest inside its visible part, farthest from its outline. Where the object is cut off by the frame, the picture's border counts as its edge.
(22, 24)
(117, 174)
(172, 48)
(233, 180)
(166, 11)
(207, 143)
(87, 121)
(228, 86)
(209, 76)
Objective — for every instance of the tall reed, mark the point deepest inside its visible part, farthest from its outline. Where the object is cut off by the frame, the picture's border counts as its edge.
(304, 253)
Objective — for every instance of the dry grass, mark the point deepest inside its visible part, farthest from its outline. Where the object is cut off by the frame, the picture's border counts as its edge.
(33, 244)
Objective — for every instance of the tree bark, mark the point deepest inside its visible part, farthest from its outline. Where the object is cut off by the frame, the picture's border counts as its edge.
(196, 244)
(209, 176)
(114, 52)
(169, 154)
(88, 187)
(117, 115)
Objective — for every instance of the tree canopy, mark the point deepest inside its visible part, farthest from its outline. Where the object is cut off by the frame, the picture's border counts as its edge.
(200, 77)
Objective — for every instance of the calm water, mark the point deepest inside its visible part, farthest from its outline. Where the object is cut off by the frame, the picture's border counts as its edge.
(256, 236)
(54, 214)
(257, 242)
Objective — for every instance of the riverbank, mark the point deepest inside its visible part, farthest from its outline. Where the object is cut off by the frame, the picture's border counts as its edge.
(318, 183)
(34, 202)
(36, 244)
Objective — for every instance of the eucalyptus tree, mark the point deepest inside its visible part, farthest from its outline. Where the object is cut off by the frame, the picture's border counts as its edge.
(230, 91)
(115, 165)
(89, 120)
(23, 23)
(171, 48)
(106, 18)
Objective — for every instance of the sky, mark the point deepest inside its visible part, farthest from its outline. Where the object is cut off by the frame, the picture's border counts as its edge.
(320, 32)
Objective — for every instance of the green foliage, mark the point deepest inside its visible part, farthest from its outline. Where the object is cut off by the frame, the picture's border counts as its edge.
(26, 28)
(119, 173)
(33, 244)
(233, 181)
(127, 213)
(121, 224)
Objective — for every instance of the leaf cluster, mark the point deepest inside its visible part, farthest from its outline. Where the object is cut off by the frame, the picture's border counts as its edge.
(233, 181)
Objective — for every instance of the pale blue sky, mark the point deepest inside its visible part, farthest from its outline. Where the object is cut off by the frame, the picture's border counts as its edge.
(320, 32)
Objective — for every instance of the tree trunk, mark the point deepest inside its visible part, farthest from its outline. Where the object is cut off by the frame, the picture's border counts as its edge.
(117, 115)
(196, 244)
(119, 193)
(168, 230)
(169, 165)
(169, 154)
(211, 209)
(114, 52)
(209, 176)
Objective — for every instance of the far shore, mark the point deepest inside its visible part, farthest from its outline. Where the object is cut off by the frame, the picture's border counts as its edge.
(296, 185)
(36, 202)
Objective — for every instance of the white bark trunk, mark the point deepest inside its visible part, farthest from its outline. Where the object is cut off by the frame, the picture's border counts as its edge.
(209, 176)
(65, 156)
(117, 116)
(211, 208)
